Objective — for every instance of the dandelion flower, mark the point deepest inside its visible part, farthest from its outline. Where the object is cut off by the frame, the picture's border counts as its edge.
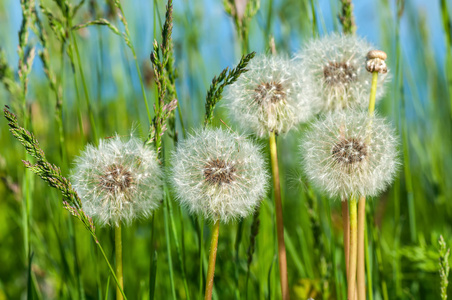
(334, 67)
(118, 181)
(350, 153)
(219, 174)
(269, 97)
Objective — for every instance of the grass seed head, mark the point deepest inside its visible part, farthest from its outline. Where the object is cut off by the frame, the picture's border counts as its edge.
(349, 152)
(269, 97)
(219, 174)
(334, 69)
(118, 181)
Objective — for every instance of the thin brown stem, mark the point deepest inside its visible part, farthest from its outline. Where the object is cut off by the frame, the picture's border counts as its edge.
(353, 249)
(361, 262)
(212, 259)
(279, 219)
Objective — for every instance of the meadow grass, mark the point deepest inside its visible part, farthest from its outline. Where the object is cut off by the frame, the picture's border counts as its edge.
(90, 82)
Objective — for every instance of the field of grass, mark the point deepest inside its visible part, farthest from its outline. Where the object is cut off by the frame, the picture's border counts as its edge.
(90, 82)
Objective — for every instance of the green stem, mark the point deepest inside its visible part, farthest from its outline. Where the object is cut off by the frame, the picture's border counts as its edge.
(179, 110)
(353, 249)
(373, 93)
(361, 278)
(118, 254)
(279, 219)
(59, 114)
(85, 89)
(368, 265)
(346, 228)
(201, 254)
(212, 259)
(143, 91)
(79, 110)
(129, 43)
(178, 250)
(361, 261)
(109, 266)
(168, 246)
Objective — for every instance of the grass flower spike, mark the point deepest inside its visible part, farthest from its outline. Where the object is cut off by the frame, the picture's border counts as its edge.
(345, 156)
(118, 181)
(269, 97)
(334, 67)
(219, 174)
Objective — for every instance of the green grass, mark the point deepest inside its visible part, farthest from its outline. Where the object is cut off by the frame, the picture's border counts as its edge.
(103, 85)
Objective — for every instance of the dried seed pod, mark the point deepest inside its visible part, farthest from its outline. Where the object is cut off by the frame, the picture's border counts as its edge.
(375, 62)
(376, 54)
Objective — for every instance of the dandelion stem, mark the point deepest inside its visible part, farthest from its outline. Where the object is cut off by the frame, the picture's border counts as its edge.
(368, 265)
(109, 266)
(346, 227)
(279, 219)
(353, 249)
(361, 262)
(201, 254)
(212, 258)
(118, 254)
(362, 205)
(373, 93)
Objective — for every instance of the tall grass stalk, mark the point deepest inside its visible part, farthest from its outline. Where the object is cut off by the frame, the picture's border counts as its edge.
(178, 249)
(447, 24)
(25, 65)
(444, 268)
(52, 175)
(132, 48)
(168, 245)
(279, 219)
(85, 89)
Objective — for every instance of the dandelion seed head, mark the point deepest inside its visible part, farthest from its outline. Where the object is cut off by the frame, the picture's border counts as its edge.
(349, 152)
(269, 97)
(334, 69)
(219, 174)
(118, 181)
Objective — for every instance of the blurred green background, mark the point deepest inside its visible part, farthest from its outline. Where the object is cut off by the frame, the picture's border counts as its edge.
(403, 225)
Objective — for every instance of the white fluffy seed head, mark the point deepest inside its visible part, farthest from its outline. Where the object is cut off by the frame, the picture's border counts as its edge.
(349, 153)
(334, 67)
(118, 181)
(219, 174)
(270, 96)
